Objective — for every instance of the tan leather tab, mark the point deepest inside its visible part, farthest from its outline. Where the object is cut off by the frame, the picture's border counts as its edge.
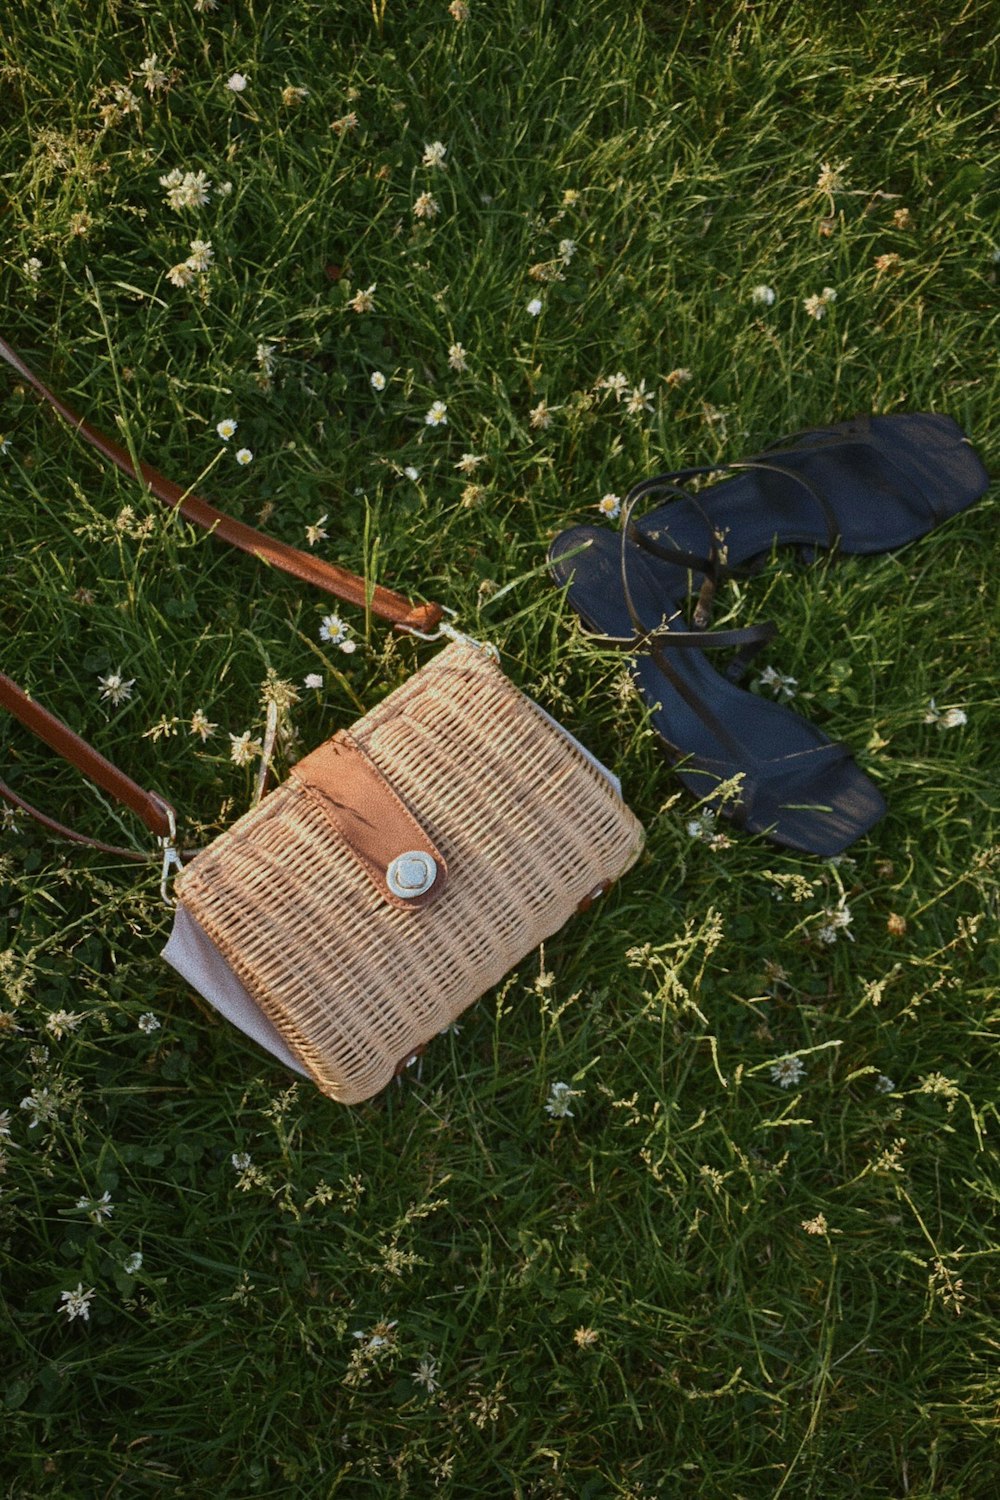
(384, 836)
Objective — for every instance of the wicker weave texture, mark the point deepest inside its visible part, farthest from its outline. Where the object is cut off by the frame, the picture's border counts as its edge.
(528, 828)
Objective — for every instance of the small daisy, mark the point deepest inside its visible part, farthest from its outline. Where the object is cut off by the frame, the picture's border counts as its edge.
(434, 154)
(639, 400)
(610, 505)
(535, 306)
(148, 1023)
(313, 680)
(378, 380)
(763, 295)
(437, 416)
(77, 1304)
(201, 725)
(244, 456)
(226, 428)
(426, 207)
(316, 532)
(425, 1374)
(781, 686)
(456, 357)
(333, 629)
(115, 688)
(617, 384)
(98, 1209)
(236, 82)
(787, 1071)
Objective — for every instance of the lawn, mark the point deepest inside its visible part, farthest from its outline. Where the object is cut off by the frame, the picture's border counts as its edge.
(407, 249)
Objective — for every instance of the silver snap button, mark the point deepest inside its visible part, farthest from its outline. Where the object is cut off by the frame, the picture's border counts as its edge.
(411, 874)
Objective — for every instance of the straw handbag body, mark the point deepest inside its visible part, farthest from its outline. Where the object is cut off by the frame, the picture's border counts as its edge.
(402, 869)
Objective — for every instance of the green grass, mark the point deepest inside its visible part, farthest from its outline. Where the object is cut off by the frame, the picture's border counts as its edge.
(734, 1352)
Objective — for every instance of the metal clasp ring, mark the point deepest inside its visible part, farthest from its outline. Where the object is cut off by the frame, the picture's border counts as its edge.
(171, 858)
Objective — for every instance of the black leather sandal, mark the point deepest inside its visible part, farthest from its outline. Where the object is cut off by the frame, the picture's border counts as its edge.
(868, 485)
(799, 789)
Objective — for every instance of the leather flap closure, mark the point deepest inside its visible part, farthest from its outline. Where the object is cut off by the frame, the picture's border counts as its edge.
(379, 829)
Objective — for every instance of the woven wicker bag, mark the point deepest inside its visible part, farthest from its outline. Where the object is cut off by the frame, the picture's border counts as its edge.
(354, 978)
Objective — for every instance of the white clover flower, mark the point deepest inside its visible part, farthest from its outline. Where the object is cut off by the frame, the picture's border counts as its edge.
(313, 680)
(364, 302)
(77, 1304)
(152, 75)
(610, 505)
(317, 532)
(148, 1023)
(33, 268)
(838, 920)
(782, 687)
(241, 1160)
(426, 207)
(884, 1084)
(42, 1104)
(437, 416)
(950, 718)
(434, 154)
(617, 384)
(4, 444)
(226, 428)
(560, 1095)
(132, 1263)
(62, 1021)
(469, 462)
(787, 1071)
(457, 357)
(763, 295)
(567, 250)
(264, 355)
(412, 473)
(201, 725)
(535, 306)
(236, 82)
(378, 380)
(540, 417)
(181, 275)
(202, 255)
(244, 456)
(333, 629)
(97, 1209)
(817, 304)
(115, 689)
(4, 1124)
(243, 749)
(186, 189)
(294, 94)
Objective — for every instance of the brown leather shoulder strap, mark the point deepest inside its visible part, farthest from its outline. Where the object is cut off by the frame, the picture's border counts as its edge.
(153, 810)
(388, 605)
